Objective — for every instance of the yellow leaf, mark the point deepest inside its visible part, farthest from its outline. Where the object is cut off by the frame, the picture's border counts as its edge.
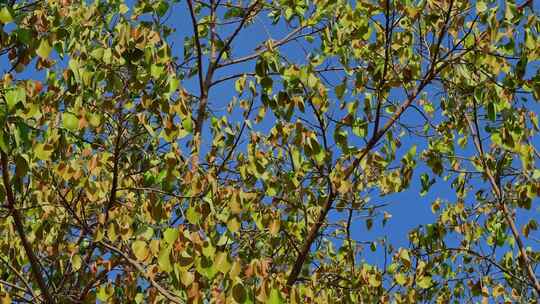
(76, 262)
(44, 49)
(375, 280)
(163, 259)
(6, 299)
(498, 291)
(400, 278)
(140, 250)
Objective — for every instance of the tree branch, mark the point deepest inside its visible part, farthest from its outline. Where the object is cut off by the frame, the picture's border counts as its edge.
(142, 271)
(474, 128)
(19, 227)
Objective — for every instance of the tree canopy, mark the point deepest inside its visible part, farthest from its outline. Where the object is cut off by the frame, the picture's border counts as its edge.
(239, 151)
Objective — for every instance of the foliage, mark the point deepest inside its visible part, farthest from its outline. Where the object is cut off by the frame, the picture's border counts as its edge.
(129, 176)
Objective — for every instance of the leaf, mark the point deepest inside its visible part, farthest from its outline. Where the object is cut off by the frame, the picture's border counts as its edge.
(240, 84)
(76, 262)
(492, 114)
(498, 291)
(43, 151)
(275, 297)
(173, 84)
(481, 6)
(426, 183)
(4, 141)
(296, 157)
(192, 215)
(400, 278)
(375, 280)
(140, 249)
(360, 128)
(5, 15)
(267, 83)
(239, 293)
(156, 71)
(369, 223)
(221, 262)
(104, 293)
(340, 90)
(405, 258)
(233, 224)
(187, 277)
(274, 227)
(187, 124)
(164, 261)
(205, 266)
(70, 121)
(14, 96)
(123, 8)
(424, 282)
(170, 235)
(44, 49)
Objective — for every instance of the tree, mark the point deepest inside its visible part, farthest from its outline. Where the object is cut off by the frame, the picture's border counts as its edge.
(228, 171)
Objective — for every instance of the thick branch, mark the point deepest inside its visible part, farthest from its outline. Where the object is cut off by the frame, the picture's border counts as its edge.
(19, 227)
(205, 82)
(114, 184)
(473, 126)
(314, 231)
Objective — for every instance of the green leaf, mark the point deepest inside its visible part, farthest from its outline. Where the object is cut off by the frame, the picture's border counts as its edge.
(233, 224)
(5, 15)
(267, 83)
(103, 295)
(340, 90)
(426, 183)
(187, 124)
(173, 84)
(162, 8)
(239, 293)
(4, 141)
(70, 121)
(492, 114)
(205, 266)
(43, 151)
(44, 49)
(170, 235)
(192, 215)
(275, 297)
(156, 71)
(14, 96)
